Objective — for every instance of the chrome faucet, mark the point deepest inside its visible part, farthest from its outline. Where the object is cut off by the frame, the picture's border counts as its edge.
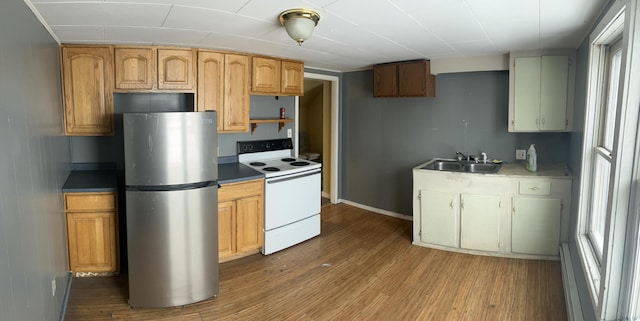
(460, 156)
(484, 157)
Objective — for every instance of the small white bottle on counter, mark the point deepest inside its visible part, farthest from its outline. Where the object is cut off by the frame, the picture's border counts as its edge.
(532, 159)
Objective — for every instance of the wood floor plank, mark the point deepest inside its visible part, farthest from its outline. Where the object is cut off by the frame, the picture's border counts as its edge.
(362, 267)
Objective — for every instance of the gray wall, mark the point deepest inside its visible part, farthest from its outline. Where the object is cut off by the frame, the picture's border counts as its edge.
(261, 107)
(384, 138)
(34, 164)
(109, 149)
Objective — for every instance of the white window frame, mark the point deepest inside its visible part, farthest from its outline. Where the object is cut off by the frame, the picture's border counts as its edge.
(613, 281)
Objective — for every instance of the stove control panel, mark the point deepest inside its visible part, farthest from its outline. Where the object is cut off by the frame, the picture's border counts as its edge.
(267, 145)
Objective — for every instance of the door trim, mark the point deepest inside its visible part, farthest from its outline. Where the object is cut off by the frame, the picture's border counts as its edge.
(335, 125)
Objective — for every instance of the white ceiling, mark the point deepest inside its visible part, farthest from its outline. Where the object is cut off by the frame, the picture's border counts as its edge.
(351, 34)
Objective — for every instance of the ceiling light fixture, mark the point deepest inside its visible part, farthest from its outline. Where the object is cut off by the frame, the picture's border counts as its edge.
(299, 23)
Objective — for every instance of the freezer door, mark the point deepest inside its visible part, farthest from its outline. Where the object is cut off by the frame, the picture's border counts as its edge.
(172, 243)
(170, 148)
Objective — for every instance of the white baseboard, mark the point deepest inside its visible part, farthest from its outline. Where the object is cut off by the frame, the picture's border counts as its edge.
(67, 292)
(377, 210)
(571, 296)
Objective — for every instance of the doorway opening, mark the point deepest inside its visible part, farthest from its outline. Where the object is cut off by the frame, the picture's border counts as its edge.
(316, 128)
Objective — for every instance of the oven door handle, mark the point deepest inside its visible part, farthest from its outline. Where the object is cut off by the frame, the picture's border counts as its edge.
(288, 178)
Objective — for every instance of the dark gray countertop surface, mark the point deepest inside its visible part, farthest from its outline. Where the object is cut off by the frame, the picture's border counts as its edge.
(90, 181)
(236, 172)
(86, 178)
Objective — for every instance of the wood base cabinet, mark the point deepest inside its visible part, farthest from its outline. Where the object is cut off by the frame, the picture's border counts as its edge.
(240, 219)
(92, 236)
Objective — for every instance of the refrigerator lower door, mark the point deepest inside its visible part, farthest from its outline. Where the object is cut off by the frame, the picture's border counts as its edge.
(172, 246)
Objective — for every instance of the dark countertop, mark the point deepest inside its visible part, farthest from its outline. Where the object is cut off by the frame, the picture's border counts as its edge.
(90, 181)
(101, 178)
(236, 172)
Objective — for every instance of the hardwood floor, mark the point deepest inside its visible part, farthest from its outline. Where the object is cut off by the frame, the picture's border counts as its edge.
(362, 267)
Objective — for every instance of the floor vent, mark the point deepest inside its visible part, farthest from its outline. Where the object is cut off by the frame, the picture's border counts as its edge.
(571, 296)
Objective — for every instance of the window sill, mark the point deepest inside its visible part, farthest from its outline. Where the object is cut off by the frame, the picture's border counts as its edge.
(590, 266)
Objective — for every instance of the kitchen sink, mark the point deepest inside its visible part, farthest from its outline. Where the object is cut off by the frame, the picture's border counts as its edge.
(452, 165)
(481, 168)
(444, 165)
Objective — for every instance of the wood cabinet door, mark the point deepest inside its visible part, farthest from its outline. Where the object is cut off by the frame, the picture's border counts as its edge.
(236, 93)
(292, 78)
(226, 228)
(385, 80)
(211, 84)
(414, 79)
(265, 75)
(439, 218)
(176, 69)
(249, 223)
(135, 68)
(87, 77)
(480, 222)
(92, 242)
(535, 225)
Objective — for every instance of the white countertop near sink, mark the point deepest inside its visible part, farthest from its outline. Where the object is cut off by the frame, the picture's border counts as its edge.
(544, 170)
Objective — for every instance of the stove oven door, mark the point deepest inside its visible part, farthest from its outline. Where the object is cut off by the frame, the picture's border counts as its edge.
(291, 198)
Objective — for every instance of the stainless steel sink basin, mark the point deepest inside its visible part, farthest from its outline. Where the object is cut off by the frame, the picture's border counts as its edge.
(481, 168)
(444, 165)
(452, 165)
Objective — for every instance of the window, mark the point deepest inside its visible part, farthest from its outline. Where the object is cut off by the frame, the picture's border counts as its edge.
(608, 221)
(602, 152)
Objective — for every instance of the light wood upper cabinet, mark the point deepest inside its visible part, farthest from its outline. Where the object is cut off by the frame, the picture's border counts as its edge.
(240, 219)
(404, 79)
(92, 232)
(273, 76)
(265, 75)
(292, 77)
(87, 80)
(135, 68)
(223, 86)
(154, 69)
(237, 75)
(176, 69)
(211, 84)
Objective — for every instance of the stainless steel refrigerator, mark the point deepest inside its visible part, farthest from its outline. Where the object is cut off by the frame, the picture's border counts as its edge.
(171, 207)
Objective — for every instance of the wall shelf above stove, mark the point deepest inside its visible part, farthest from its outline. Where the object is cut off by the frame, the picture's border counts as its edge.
(279, 121)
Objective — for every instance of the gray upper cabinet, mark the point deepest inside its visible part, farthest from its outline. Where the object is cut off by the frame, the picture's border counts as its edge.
(541, 91)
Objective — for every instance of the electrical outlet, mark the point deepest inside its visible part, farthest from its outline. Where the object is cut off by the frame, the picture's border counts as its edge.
(53, 287)
(289, 133)
(521, 154)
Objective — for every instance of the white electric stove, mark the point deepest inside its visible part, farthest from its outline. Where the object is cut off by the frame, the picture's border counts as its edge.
(292, 192)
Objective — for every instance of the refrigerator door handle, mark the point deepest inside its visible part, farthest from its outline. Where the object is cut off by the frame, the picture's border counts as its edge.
(160, 188)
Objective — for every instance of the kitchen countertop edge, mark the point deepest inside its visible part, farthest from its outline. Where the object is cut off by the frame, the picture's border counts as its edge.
(88, 181)
(236, 172)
